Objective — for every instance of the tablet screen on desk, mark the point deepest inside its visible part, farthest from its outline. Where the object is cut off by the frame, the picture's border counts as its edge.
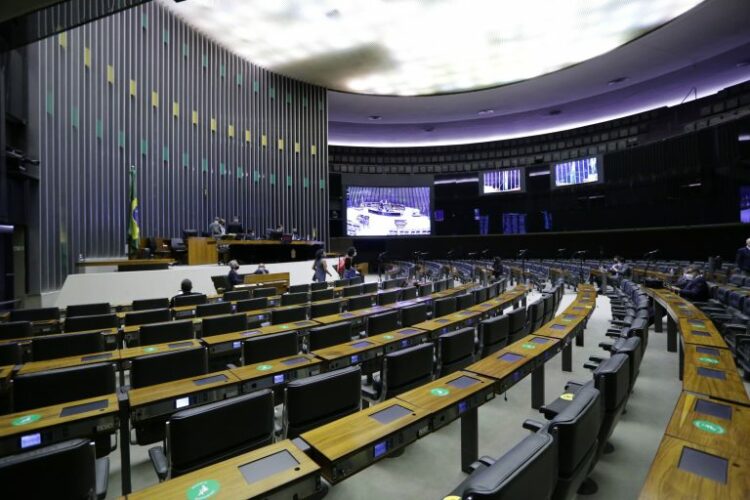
(360, 345)
(210, 380)
(267, 466)
(76, 409)
(408, 331)
(253, 332)
(707, 350)
(294, 361)
(713, 409)
(94, 357)
(699, 333)
(710, 372)
(177, 345)
(570, 316)
(510, 357)
(462, 382)
(703, 464)
(466, 313)
(442, 320)
(347, 315)
(390, 414)
(539, 340)
(558, 327)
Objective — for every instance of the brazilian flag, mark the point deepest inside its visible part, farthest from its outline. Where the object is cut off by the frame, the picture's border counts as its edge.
(134, 231)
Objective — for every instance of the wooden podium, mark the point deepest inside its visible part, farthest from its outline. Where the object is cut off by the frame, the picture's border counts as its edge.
(202, 251)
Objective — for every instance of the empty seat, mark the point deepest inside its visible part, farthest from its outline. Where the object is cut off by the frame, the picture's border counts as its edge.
(455, 350)
(170, 331)
(267, 347)
(251, 304)
(325, 336)
(351, 291)
(85, 323)
(298, 289)
(326, 309)
(189, 299)
(493, 334)
(280, 316)
(318, 286)
(535, 315)
(226, 429)
(518, 325)
(480, 295)
(425, 289)
(162, 367)
(413, 314)
(464, 301)
(145, 304)
(224, 324)
(443, 307)
(289, 299)
(264, 292)
(390, 297)
(15, 330)
(356, 303)
(341, 283)
(60, 346)
(38, 314)
(409, 293)
(402, 371)
(215, 309)
(147, 316)
(371, 287)
(383, 322)
(88, 309)
(318, 295)
(235, 295)
(11, 354)
(356, 280)
(317, 400)
(550, 307)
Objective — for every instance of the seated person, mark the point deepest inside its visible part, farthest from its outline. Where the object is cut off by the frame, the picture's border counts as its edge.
(186, 288)
(217, 228)
(233, 276)
(349, 271)
(696, 287)
(235, 227)
(261, 269)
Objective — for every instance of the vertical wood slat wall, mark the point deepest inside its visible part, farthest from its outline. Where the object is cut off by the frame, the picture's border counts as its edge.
(128, 90)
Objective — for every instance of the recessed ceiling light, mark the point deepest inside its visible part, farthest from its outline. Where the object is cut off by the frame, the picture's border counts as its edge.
(483, 112)
(374, 117)
(617, 80)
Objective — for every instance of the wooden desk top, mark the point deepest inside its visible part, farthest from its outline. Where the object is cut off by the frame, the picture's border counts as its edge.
(256, 332)
(561, 326)
(448, 320)
(729, 388)
(5, 372)
(388, 338)
(168, 390)
(348, 349)
(701, 332)
(39, 418)
(228, 478)
(711, 357)
(359, 430)
(666, 480)
(134, 352)
(105, 331)
(350, 315)
(83, 359)
(533, 345)
(126, 262)
(728, 433)
(440, 394)
(274, 366)
(494, 367)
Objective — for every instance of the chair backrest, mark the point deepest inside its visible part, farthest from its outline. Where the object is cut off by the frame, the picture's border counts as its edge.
(326, 309)
(69, 470)
(97, 322)
(318, 286)
(464, 301)
(15, 330)
(314, 401)
(612, 378)
(226, 429)
(356, 280)
(264, 292)
(371, 287)
(493, 334)
(633, 348)
(51, 387)
(528, 470)
(251, 304)
(341, 282)
(299, 289)
(362, 302)
(325, 294)
(455, 350)
(38, 314)
(390, 297)
(145, 304)
(60, 346)
(438, 285)
(549, 307)
(193, 299)
(409, 293)
(11, 354)
(425, 289)
(393, 283)
(577, 429)
(443, 307)
(235, 295)
(88, 309)
(325, 336)
(213, 309)
(279, 316)
(535, 314)
(351, 291)
(159, 333)
(480, 295)
(147, 316)
(289, 299)
(413, 314)
(383, 322)
(517, 321)
(267, 347)
(162, 367)
(408, 368)
(224, 324)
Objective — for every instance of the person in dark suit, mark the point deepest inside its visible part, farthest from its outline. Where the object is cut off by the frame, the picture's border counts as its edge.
(233, 276)
(695, 288)
(261, 269)
(743, 258)
(186, 288)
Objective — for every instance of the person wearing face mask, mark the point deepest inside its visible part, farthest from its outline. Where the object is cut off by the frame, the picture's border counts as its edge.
(233, 276)
(695, 287)
(743, 258)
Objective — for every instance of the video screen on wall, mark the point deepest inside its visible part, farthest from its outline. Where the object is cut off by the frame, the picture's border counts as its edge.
(745, 204)
(502, 181)
(387, 211)
(575, 172)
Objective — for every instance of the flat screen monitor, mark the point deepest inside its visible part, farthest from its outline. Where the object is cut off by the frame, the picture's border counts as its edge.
(575, 172)
(387, 211)
(745, 204)
(501, 181)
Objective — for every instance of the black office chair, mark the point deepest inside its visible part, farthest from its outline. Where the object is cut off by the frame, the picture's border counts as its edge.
(15, 330)
(281, 316)
(357, 280)
(290, 299)
(318, 400)
(252, 304)
(299, 289)
(171, 331)
(325, 336)
(318, 286)
(351, 291)
(356, 303)
(147, 316)
(550, 308)
(146, 304)
(68, 469)
(518, 325)
(193, 299)
(464, 301)
(383, 322)
(11, 354)
(214, 309)
(385, 298)
(236, 295)
(61, 346)
(413, 314)
(443, 307)
(226, 429)
(152, 369)
(535, 315)
(51, 387)
(371, 287)
(224, 324)
(528, 470)
(409, 293)
(455, 351)
(88, 309)
(85, 323)
(179, 249)
(493, 334)
(425, 289)
(341, 283)
(318, 295)
(402, 371)
(268, 347)
(480, 295)
(318, 310)
(264, 292)
(438, 286)
(38, 314)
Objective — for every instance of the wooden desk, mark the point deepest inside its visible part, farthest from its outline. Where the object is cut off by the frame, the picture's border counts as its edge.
(728, 387)
(52, 424)
(129, 264)
(711, 357)
(134, 352)
(449, 322)
(350, 353)
(201, 251)
(70, 361)
(353, 315)
(399, 339)
(719, 425)
(666, 480)
(352, 443)
(276, 372)
(701, 332)
(230, 344)
(299, 478)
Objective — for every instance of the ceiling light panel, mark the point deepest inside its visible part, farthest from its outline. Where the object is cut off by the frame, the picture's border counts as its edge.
(422, 47)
